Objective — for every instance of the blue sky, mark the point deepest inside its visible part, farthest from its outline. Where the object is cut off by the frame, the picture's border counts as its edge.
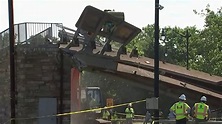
(137, 12)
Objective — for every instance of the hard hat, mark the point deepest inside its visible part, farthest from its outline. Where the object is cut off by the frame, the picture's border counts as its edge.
(130, 104)
(203, 98)
(182, 97)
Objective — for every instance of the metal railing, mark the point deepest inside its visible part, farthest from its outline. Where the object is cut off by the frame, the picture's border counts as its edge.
(27, 30)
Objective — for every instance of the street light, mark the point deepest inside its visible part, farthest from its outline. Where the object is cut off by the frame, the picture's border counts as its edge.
(187, 36)
(156, 58)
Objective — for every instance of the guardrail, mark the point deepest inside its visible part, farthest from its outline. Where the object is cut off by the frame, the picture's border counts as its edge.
(24, 31)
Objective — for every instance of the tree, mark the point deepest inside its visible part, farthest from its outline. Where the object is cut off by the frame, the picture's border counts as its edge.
(4, 40)
(210, 56)
(204, 45)
(143, 42)
(175, 46)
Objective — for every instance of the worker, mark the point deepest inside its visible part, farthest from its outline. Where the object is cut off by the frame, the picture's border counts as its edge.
(64, 36)
(105, 114)
(129, 111)
(181, 110)
(201, 110)
(114, 117)
(147, 117)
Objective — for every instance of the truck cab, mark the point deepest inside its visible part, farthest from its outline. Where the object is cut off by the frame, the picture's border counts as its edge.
(93, 96)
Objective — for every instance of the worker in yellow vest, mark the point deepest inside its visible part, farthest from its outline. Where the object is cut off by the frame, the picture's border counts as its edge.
(106, 114)
(181, 110)
(114, 117)
(129, 111)
(201, 110)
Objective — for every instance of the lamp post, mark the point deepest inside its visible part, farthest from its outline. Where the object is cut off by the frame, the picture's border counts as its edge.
(156, 58)
(187, 36)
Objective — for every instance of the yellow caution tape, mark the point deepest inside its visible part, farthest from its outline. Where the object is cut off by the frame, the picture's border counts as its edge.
(75, 112)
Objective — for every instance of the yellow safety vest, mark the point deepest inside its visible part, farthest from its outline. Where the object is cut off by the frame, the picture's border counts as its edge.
(180, 109)
(129, 112)
(106, 114)
(114, 117)
(200, 111)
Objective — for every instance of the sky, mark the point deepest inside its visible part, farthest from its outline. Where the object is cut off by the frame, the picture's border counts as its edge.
(137, 12)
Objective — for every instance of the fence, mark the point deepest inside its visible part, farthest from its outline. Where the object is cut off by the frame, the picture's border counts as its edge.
(25, 31)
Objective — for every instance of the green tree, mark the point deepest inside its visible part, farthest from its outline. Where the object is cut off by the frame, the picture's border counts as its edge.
(209, 50)
(4, 40)
(143, 42)
(175, 45)
(204, 44)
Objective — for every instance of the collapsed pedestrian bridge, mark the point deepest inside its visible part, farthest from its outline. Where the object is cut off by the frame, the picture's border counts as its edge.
(174, 79)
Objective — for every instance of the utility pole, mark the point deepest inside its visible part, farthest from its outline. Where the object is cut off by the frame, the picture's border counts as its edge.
(156, 58)
(12, 62)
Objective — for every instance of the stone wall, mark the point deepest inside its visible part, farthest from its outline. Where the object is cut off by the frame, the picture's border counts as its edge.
(37, 75)
(4, 85)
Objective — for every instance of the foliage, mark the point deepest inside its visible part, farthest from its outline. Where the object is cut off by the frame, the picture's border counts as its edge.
(204, 46)
(143, 41)
(4, 40)
(210, 42)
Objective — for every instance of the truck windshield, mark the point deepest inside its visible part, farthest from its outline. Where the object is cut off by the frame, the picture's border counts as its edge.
(95, 94)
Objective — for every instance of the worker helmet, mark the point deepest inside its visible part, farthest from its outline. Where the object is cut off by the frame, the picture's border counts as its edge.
(182, 97)
(203, 98)
(130, 104)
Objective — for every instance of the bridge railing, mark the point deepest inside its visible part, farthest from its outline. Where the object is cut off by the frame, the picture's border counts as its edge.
(24, 31)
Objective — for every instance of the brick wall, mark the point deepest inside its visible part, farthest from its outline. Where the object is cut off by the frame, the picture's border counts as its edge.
(38, 75)
(4, 85)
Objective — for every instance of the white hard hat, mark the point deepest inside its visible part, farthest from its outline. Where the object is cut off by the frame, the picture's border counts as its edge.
(130, 104)
(182, 97)
(203, 98)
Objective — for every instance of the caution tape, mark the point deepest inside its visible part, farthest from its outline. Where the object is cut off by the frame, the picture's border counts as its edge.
(75, 112)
